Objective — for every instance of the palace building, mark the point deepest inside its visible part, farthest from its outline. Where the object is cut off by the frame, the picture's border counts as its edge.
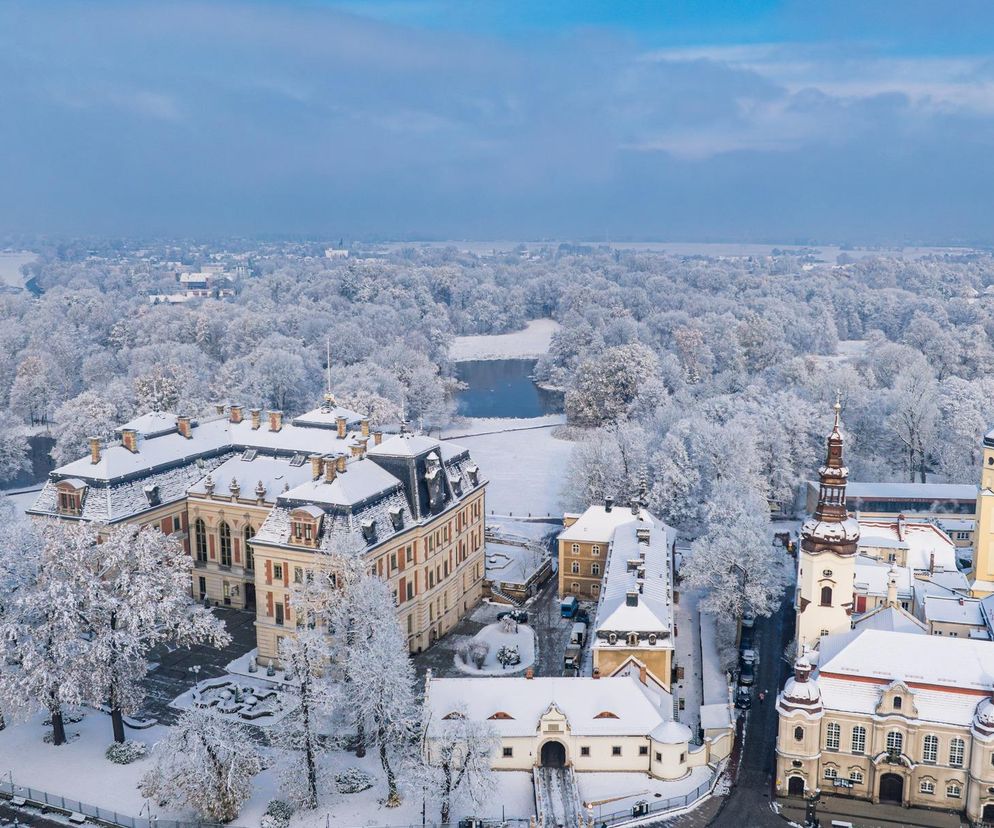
(259, 503)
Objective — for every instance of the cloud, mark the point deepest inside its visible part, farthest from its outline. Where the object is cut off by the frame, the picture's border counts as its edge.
(223, 117)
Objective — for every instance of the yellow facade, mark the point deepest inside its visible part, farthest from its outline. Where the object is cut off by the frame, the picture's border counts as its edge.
(982, 575)
(435, 571)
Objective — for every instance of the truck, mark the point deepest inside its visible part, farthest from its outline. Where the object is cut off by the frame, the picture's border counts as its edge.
(571, 660)
(568, 607)
(578, 634)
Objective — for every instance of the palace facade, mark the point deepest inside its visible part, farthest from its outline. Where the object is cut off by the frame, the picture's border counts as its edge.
(259, 502)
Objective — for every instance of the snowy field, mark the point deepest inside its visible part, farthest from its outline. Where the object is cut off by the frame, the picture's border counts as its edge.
(525, 470)
(533, 341)
(79, 770)
(474, 426)
(523, 639)
(10, 267)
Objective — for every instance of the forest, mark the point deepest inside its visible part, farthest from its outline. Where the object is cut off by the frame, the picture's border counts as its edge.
(703, 385)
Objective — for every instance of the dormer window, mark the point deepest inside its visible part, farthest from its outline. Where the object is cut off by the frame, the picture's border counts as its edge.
(397, 518)
(70, 494)
(305, 525)
(633, 639)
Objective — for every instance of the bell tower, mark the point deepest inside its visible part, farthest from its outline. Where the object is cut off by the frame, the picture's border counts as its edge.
(827, 558)
(982, 575)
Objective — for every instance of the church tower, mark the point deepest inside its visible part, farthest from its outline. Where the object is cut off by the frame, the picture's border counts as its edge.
(827, 558)
(982, 576)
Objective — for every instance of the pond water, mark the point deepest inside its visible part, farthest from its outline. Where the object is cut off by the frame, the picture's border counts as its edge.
(503, 388)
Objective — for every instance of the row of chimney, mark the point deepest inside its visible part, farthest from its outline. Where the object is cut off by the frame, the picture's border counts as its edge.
(331, 464)
(184, 425)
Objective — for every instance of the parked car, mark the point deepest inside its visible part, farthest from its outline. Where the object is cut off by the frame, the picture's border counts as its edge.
(748, 629)
(578, 633)
(571, 659)
(747, 674)
(568, 607)
(519, 615)
(743, 698)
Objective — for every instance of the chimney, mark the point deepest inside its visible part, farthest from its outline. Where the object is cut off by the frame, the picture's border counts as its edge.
(608, 504)
(275, 420)
(529, 673)
(94, 450)
(315, 466)
(183, 425)
(129, 439)
(356, 450)
(235, 415)
(931, 562)
(961, 601)
(219, 408)
(341, 427)
(329, 469)
(364, 426)
(340, 463)
(256, 418)
(635, 508)
(631, 598)
(643, 674)
(596, 673)
(377, 437)
(900, 527)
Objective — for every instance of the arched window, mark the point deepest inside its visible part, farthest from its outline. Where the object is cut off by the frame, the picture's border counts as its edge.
(826, 596)
(200, 539)
(224, 532)
(930, 748)
(249, 554)
(633, 639)
(595, 569)
(895, 741)
(575, 567)
(798, 734)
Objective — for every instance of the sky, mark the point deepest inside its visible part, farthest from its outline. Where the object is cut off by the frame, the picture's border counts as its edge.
(853, 121)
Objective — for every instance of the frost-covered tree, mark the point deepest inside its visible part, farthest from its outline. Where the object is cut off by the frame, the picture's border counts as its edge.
(605, 386)
(457, 753)
(90, 414)
(48, 654)
(206, 763)
(141, 599)
(306, 660)
(377, 670)
(734, 562)
(914, 416)
(15, 452)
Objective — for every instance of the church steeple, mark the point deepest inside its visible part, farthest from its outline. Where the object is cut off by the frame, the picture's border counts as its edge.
(831, 528)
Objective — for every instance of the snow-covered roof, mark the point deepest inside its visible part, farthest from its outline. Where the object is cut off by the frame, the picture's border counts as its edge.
(951, 610)
(327, 417)
(640, 570)
(955, 663)
(957, 524)
(598, 524)
(151, 424)
(615, 706)
(911, 491)
(362, 480)
(275, 474)
(716, 716)
(872, 575)
(921, 538)
(891, 619)
(408, 445)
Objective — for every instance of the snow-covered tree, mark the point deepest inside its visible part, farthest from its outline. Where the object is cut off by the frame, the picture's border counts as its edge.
(376, 667)
(48, 657)
(15, 452)
(142, 598)
(458, 753)
(734, 562)
(90, 414)
(306, 660)
(914, 416)
(206, 763)
(605, 386)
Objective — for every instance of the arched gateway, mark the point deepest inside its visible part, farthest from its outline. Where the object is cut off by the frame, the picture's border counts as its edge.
(553, 754)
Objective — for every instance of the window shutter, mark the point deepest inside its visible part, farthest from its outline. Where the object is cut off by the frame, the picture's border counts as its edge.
(269, 580)
(269, 600)
(402, 590)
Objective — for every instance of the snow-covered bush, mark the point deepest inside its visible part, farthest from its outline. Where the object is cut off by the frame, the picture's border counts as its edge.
(508, 625)
(478, 652)
(508, 656)
(353, 780)
(124, 753)
(278, 814)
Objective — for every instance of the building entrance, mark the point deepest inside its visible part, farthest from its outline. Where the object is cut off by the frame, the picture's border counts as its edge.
(553, 755)
(892, 788)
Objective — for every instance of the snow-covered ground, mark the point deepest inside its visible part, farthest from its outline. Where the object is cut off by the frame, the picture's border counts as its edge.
(22, 501)
(512, 564)
(533, 341)
(525, 469)
(609, 792)
(10, 266)
(475, 426)
(523, 639)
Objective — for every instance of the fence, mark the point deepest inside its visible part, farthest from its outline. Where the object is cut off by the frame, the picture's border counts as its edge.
(649, 808)
(54, 802)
